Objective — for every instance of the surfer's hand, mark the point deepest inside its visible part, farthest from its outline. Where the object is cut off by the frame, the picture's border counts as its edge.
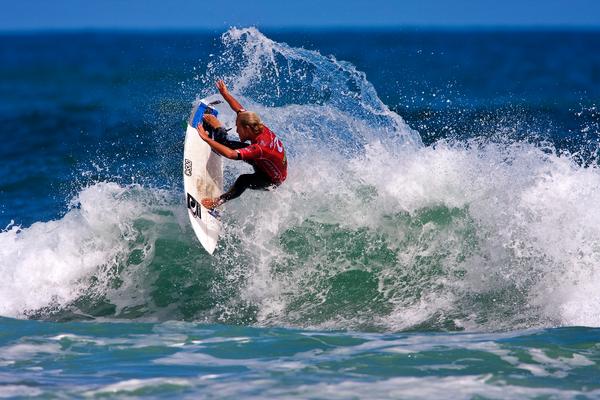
(202, 132)
(221, 86)
(212, 121)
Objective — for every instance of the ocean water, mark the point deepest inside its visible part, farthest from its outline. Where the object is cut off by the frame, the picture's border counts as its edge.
(437, 237)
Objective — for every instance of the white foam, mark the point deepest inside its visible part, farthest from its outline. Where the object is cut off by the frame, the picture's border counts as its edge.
(459, 387)
(535, 222)
(27, 351)
(133, 385)
(523, 237)
(50, 263)
(13, 391)
(516, 245)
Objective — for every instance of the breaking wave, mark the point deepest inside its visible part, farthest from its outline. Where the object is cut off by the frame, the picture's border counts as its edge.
(372, 230)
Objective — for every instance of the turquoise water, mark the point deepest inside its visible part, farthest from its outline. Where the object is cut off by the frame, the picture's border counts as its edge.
(437, 236)
(189, 360)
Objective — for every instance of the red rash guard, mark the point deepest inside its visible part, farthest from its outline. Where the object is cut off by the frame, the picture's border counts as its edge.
(266, 154)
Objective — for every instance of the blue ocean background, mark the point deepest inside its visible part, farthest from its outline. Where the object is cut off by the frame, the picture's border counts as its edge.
(437, 236)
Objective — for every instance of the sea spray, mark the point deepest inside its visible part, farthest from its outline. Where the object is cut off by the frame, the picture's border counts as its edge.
(393, 235)
(371, 230)
(50, 265)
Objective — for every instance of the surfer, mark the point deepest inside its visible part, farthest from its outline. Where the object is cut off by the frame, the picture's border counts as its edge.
(265, 152)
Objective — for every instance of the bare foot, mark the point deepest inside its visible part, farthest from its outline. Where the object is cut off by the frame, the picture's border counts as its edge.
(211, 203)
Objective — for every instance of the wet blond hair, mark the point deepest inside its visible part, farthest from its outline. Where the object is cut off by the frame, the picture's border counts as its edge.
(251, 119)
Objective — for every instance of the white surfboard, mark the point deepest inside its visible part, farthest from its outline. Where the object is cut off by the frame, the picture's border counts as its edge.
(203, 171)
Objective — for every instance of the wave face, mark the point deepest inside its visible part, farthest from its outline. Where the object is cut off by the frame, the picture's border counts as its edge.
(371, 231)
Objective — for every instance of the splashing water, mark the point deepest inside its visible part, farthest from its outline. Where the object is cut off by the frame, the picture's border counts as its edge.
(371, 231)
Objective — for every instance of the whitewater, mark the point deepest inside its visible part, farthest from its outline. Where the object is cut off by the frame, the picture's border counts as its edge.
(371, 231)
(478, 256)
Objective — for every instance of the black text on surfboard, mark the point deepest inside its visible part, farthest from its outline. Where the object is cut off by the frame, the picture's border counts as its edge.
(188, 167)
(193, 206)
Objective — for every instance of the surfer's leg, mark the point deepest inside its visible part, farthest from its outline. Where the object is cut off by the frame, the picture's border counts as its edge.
(246, 181)
(255, 181)
(242, 183)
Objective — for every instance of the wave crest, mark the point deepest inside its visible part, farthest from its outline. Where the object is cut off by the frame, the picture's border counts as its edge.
(371, 231)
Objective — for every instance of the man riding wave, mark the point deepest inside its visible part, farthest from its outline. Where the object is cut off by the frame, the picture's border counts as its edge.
(265, 152)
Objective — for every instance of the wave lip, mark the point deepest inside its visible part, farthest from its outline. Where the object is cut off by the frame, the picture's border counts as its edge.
(305, 95)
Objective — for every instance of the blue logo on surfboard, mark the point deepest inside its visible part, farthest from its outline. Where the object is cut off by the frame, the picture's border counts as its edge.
(203, 109)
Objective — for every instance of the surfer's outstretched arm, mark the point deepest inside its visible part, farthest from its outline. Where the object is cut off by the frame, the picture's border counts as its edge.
(218, 147)
(233, 103)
